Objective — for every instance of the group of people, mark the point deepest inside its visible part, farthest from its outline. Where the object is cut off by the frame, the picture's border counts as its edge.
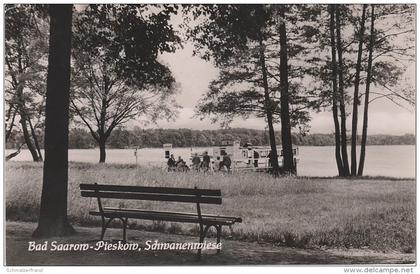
(177, 165)
(224, 164)
(198, 164)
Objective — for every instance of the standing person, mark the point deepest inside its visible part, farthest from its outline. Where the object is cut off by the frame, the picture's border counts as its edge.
(256, 156)
(171, 163)
(206, 161)
(270, 160)
(196, 161)
(226, 161)
(216, 164)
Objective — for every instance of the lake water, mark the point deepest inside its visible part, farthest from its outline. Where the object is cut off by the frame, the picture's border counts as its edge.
(392, 161)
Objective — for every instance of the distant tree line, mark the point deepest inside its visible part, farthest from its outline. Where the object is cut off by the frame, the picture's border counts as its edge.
(122, 138)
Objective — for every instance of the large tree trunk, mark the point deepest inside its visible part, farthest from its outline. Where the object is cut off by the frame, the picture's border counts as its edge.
(346, 170)
(286, 135)
(102, 150)
(338, 159)
(356, 94)
(268, 108)
(366, 106)
(53, 213)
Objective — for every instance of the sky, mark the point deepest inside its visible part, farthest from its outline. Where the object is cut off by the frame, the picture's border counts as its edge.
(194, 74)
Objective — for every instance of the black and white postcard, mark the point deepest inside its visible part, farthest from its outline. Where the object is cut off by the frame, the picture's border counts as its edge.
(210, 134)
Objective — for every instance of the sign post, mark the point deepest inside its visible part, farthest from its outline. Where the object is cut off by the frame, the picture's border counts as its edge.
(135, 154)
(167, 148)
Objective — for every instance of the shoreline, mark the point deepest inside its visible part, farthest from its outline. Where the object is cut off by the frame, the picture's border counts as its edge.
(76, 164)
(381, 161)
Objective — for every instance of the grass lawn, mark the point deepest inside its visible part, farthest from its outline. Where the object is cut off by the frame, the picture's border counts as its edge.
(373, 213)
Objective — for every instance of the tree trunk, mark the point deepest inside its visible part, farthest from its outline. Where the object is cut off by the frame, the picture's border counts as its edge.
(38, 148)
(286, 135)
(102, 150)
(12, 123)
(338, 159)
(366, 106)
(14, 154)
(346, 170)
(356, 94)
(269, 113)
(23, 122)
(27, 138)
(53, 213)
(20, 108)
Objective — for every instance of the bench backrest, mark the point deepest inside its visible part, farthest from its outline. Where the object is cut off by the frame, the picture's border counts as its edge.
(170, 194)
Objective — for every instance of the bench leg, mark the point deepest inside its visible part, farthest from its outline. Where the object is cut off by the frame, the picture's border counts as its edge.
(219, 231)
(104, 226)
(199, 250)
(231, 231)
(203, 233)
(201, 239)
(124, 222)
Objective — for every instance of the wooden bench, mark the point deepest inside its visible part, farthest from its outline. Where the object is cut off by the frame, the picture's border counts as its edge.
(165, 194)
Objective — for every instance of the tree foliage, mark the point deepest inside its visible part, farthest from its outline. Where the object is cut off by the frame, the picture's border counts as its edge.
(392, 56)
(117, 75)
(225, 38)
(26, 48)
(257, 49)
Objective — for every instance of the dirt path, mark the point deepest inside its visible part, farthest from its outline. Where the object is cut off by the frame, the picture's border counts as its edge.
(233, 252)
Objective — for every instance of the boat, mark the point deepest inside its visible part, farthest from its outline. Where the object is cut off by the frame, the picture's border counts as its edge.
(243, 157)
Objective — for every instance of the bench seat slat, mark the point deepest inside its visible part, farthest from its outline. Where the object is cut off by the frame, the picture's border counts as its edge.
(151, 189)
(239, 220)
(153, 197)
(159, 216)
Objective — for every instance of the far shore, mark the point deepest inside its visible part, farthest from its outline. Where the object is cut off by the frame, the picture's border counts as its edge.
(206, 147)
